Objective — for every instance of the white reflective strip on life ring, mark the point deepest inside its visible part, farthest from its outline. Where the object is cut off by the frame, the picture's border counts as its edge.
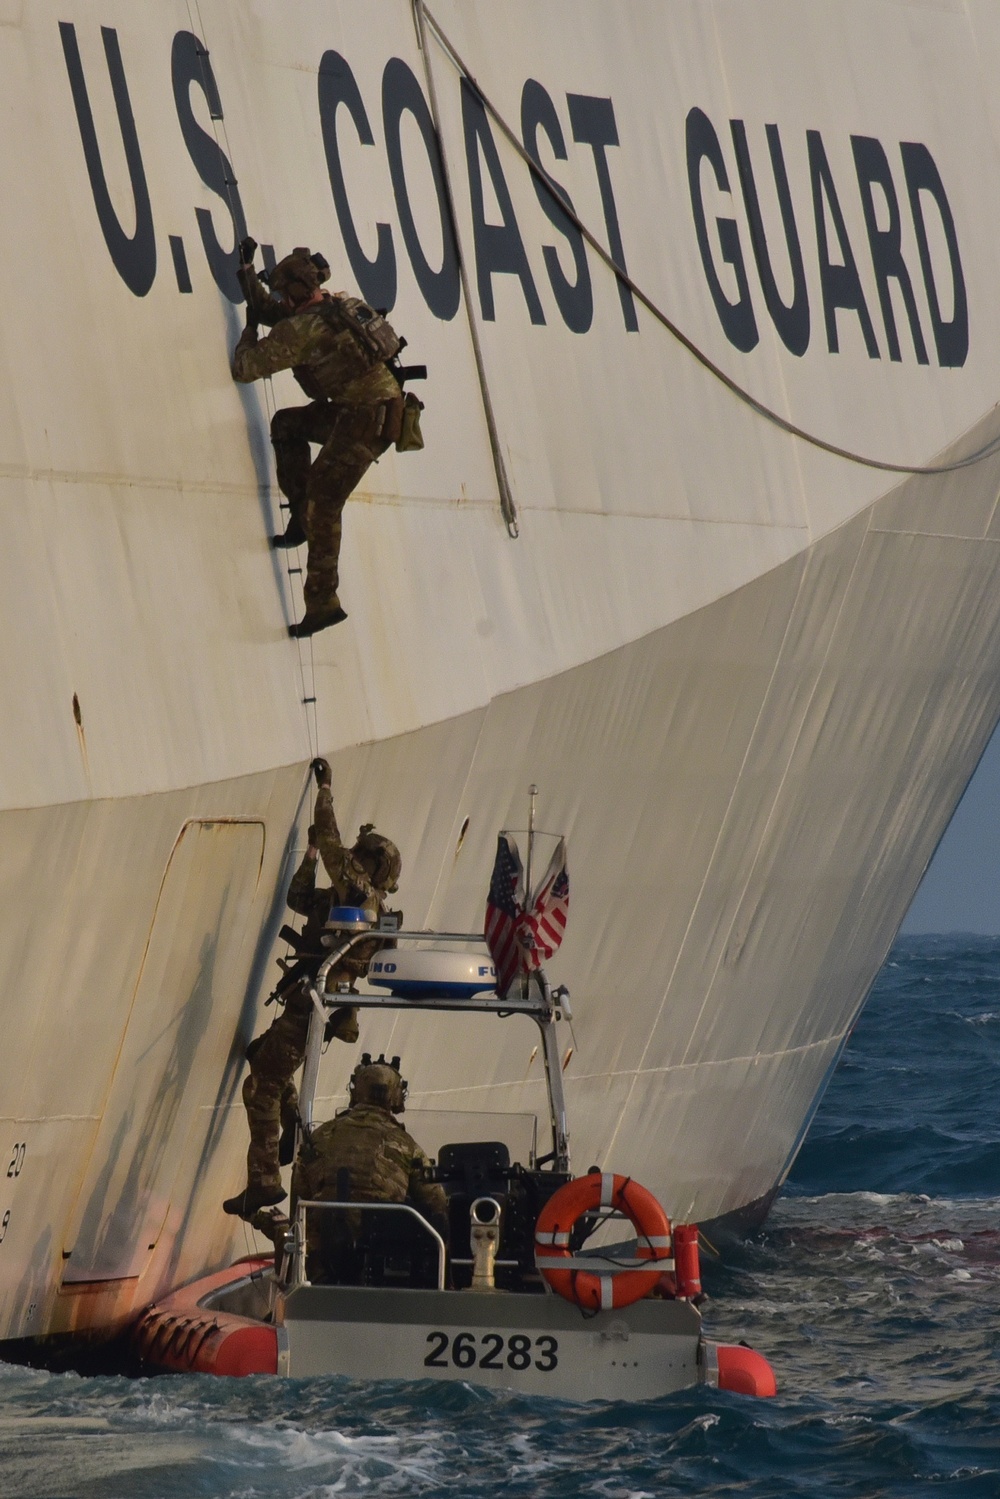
(607, 1189)
(710, 1366)
(553, 1238)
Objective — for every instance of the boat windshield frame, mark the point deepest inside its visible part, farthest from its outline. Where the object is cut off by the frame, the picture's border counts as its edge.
(537, 1001)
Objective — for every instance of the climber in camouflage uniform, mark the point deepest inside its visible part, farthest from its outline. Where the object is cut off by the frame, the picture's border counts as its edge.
(361, 876)
(367, 1152)
(336, 347)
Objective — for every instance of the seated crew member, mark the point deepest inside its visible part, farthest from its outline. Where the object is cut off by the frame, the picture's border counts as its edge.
(336, 348)
(361, 876)
(366, 1150)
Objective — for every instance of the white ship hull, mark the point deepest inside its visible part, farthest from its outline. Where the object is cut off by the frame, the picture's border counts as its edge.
(751, 678)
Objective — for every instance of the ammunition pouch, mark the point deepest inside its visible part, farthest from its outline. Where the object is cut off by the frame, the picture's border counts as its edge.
(368, 328)
(373, 339)
(392, 421)
(410, 438)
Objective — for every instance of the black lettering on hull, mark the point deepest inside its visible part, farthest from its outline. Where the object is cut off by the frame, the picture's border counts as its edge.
(841, 284)
(134, 255)
(594, 125)
(190, 64)
(791, 320)
(839, 279)
(337, 85)
(499, 248)
(951, 338)
(575, 299)
(402, 94)
(886, 247)
(737, 318)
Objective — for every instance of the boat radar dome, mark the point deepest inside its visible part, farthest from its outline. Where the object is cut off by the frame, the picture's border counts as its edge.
(432, 971)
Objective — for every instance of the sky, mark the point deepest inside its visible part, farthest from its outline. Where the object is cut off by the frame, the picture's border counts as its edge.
(961, 889)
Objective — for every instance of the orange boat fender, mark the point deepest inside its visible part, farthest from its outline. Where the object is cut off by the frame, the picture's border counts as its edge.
(180, 1335)
(209, 1344)
(573, 1276)
(744, 1371)
(243, 1350)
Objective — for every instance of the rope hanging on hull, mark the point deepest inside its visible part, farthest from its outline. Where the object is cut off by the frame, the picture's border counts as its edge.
(508, 509)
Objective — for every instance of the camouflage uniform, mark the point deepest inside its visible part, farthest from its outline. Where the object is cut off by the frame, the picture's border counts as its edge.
(385, 1165)
(346, 416)
(265, 307)
(269, 1094)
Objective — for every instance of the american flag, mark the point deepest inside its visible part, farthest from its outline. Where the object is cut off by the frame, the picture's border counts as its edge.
(540, 929)
(521, 941)
(504, 906)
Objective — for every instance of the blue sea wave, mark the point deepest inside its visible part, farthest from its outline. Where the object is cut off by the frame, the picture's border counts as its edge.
(874, 1290)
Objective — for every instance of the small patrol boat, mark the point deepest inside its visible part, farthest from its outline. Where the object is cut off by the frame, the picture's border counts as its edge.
(511, 1297)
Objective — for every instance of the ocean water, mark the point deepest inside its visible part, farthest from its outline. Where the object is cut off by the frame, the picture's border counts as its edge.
(874, 1289)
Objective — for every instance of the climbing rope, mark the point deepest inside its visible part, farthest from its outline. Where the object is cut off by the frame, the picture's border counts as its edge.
(306, 658)
(762, 410)
(293, 569)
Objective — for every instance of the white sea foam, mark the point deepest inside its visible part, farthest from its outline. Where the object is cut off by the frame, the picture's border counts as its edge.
(413, 1460)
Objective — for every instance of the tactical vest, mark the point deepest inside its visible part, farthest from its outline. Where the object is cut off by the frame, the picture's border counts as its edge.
(370, 342)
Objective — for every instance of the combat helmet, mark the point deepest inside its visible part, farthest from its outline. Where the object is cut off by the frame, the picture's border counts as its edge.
(378, 1083)
(380, 858)
(300, 269)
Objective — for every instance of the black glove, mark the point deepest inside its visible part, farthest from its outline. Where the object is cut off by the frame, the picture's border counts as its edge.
(311, 835)
(248, 249)
(253, 321)
(321, 770)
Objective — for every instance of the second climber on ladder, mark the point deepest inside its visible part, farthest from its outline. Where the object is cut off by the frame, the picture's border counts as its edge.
(343, 354)
(362, 875)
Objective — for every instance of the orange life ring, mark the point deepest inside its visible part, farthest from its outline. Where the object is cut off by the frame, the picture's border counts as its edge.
(593, 1289)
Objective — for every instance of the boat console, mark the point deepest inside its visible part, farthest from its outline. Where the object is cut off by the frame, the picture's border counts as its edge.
(394, 1245)
(481, 1169)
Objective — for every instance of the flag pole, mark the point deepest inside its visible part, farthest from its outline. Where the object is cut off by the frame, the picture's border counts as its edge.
(532, 793)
